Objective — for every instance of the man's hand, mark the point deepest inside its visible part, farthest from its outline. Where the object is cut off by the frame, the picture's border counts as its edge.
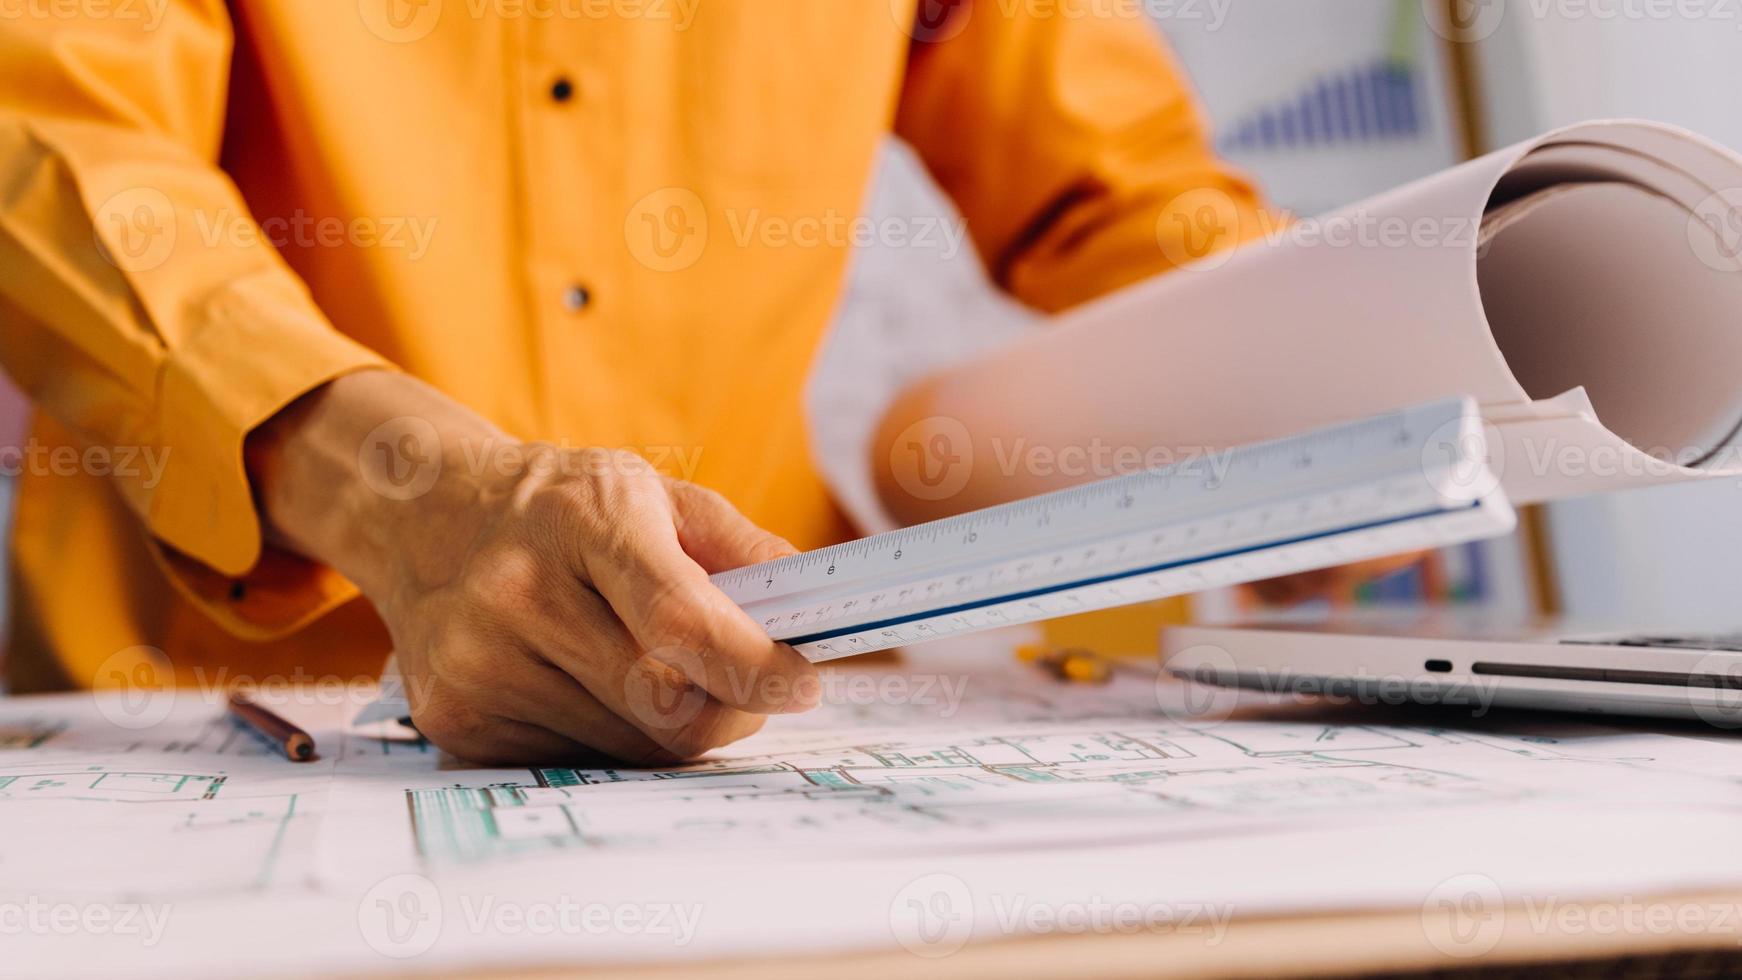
(545, 604)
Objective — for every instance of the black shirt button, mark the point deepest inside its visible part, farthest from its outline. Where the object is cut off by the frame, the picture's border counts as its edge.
(576, 298)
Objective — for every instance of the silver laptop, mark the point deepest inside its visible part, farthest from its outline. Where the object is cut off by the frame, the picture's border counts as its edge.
(1445, 660)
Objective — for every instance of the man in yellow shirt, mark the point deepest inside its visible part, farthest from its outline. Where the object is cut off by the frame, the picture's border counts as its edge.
(333, 303)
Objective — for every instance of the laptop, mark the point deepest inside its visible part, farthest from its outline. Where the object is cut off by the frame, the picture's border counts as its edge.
(1440, 659)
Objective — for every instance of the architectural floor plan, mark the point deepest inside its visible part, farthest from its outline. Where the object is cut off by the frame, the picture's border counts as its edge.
(970, 766)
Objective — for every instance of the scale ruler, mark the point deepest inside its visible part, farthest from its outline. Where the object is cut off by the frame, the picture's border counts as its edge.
(1399, 482)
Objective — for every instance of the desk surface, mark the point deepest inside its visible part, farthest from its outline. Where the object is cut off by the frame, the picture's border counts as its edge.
(1578, 940)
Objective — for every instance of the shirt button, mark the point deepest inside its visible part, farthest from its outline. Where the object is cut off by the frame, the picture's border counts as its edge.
(576, 298)
(562, 90)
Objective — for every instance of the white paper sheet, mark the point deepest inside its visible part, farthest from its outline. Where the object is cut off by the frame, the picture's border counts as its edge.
(964, 799)
(1471, 281)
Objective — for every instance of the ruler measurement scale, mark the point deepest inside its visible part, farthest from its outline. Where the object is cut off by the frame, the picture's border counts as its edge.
(1342, 494)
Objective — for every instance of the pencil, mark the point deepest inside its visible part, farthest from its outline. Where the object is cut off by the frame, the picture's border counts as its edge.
(295, 743)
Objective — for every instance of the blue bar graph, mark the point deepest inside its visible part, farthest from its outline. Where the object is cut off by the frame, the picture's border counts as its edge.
(1378, 102)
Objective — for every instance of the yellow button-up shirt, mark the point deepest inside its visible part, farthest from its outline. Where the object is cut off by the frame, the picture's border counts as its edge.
(599, 222)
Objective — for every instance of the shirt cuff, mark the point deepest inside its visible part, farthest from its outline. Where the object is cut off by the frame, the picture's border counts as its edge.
(258, 346)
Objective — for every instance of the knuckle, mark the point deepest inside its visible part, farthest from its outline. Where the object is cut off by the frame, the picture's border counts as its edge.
(768, 547)
(566, 504)
(630, 465)
(452, 725)
(469, 663)
(508, 584)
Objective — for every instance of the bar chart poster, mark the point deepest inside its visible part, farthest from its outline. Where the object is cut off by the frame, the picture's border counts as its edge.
(1325, 101)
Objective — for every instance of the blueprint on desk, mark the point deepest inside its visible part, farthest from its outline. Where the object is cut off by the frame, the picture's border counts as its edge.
(960, 781)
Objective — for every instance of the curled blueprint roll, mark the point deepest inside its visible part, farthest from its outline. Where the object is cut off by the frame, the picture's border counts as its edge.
(1584, 287)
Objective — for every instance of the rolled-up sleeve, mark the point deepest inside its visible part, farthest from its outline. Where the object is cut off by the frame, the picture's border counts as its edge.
(140, 306)
(1072, 143)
